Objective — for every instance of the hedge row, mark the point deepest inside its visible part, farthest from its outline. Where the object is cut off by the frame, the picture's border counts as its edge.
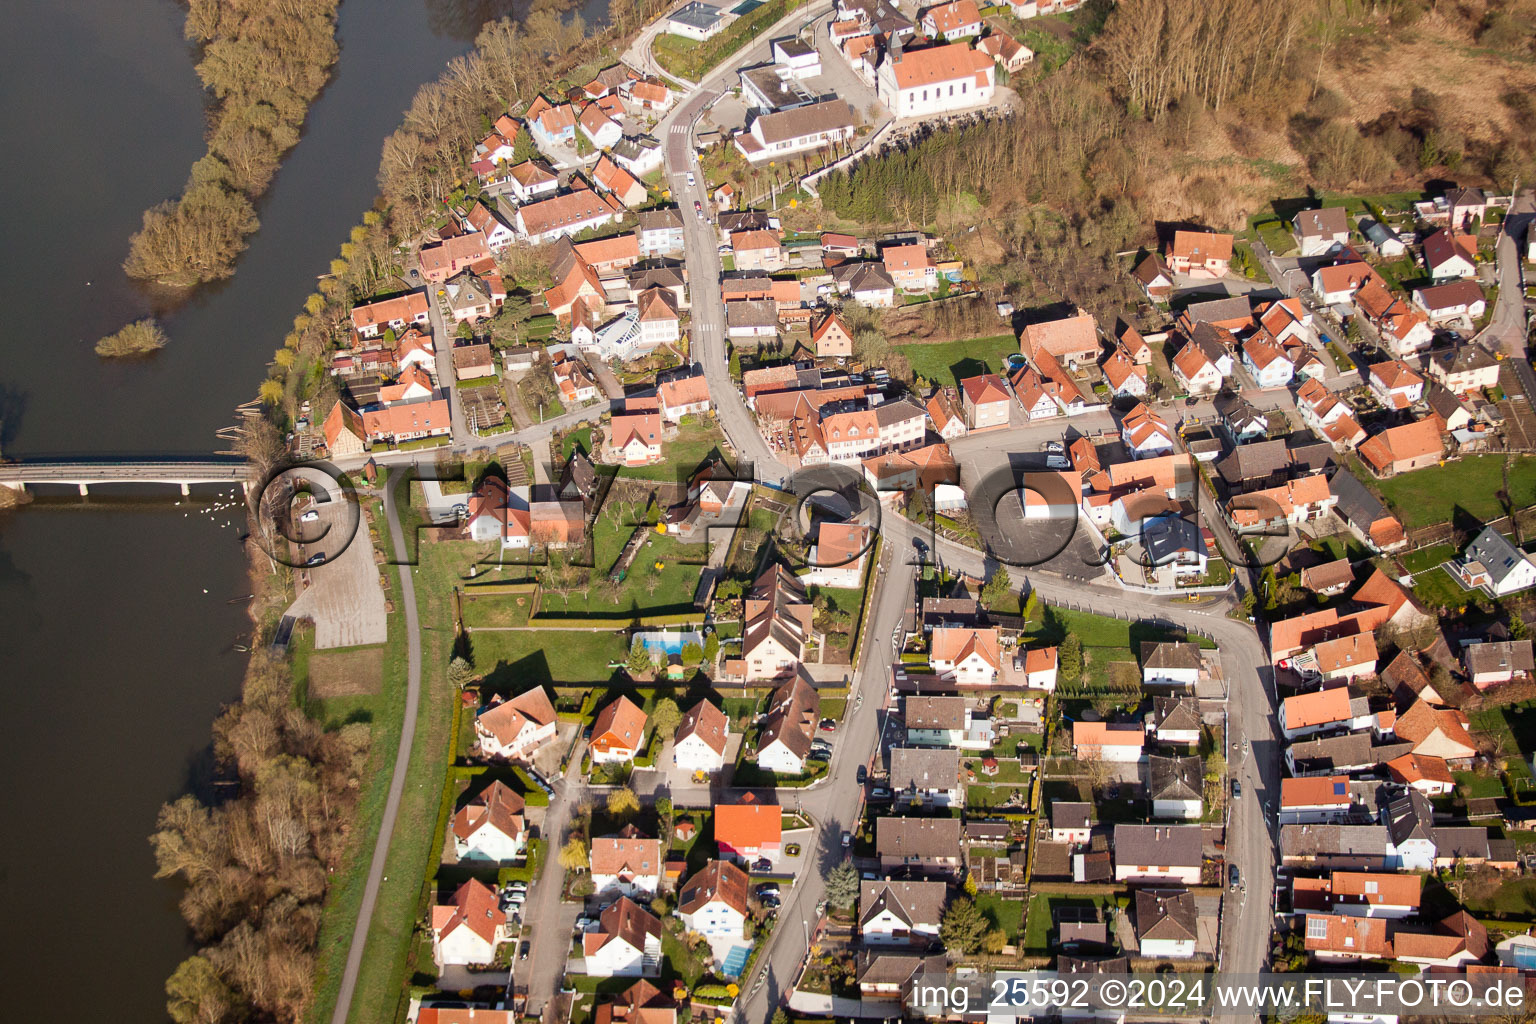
(616, 622)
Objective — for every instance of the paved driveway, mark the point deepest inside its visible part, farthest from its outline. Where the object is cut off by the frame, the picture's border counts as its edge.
(343, 596)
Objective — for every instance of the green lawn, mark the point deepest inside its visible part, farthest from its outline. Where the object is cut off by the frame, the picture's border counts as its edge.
(391, 942)
(646, 588)
(1040, 923)
(1428, 558)
(1473, 785)
(1006, 913)
(696, 439)
(949, 362)
(1516, 897)
(979, 796)
(1466, 488)
(522, 658)
(689, 59)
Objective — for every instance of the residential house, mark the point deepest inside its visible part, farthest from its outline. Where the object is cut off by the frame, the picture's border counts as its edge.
(1201, 254)
(701, 739)
(696, 21)
(1317, 800)
(1307, 714)
(785, 132)
(532, 179)
(625, 943)
(1382, 238)
(1323, 411)
(683, 396)
(1455, 299)
(1071, 822)
(936, 721)
(1496, 662)
(713, 902)
(1158, 853)
(442, 260)
(1449, 256)
(952, 21)
(757, 249)
(345, 434)
(1101, 741)
(515, 728)
(832, 338)
(968, 656)
(935, 80)
(838, 556)
(1126, 378)
(1145, 433)
(1176, 786)
(946, 414)
(490, 826)
(634, 438)
(468, 928)
(648, 94)
(1155, 278)
(1166, 923)
(923, 845)
(615, 180)
(1404, 329)
(1429, 775)
(799, 60)
(1337, 284)
(1456, 942)
(1203, 362)
(617, 732)
(1040, 666)
(601, 130)
(628, 863)
(557, 524)
(1006, 50)
(1341, 938)
(1495, 564)
(1320, 232)
(866, 283)
(785, 740)
(371, 319)
(1402, 449)
(1378, 894)
(987, 402)
(927, 776)
(1465, 369)
(551, 125)
(749, 830)
(910, 267)
(1073, 341)
(901, 913)
(660, 231)
(1329, 579)
(497, 512)
(1292, 503)
(1254, 466)
(1175, 721)
(1267, 361)
(573, 379)
(1170, 664)
(658, 319)
(498, 233)
(545, 220)
(777, 621)
(1394, 384)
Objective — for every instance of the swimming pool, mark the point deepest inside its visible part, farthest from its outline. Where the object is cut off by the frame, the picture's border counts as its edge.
(669, 643)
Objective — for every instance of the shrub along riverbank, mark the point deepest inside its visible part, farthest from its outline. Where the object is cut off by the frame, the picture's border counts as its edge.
(264, 61)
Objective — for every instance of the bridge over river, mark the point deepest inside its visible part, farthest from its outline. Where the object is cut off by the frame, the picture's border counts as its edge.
(182, 471)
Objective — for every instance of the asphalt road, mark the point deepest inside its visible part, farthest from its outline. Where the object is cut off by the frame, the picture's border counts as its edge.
(359, 940)
(1506, 330)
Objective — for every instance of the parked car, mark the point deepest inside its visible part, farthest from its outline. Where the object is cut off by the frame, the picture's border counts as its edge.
(769, 902)
(1232, 875)
(313, 515)
(1052, 446)
(862, 775)
(828, 725)
(1237, 789)
(879, 793)
(316, 559)
(762, 864)
(1057, 462)
(522, 953)
(698, 208)
(847, 839)
(690, 183)
(767, 889)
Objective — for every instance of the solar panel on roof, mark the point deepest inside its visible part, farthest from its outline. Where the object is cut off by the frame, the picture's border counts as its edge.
(1338, 789)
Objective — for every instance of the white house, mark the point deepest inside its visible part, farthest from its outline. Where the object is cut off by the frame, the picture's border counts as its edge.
(617, 732)
(935, 721)
(785, 132)
(625, 943)
(714, 901)
(966, 655)
(1158, 853)
(1306, 714)
(800, 60)
(497, 512)
(1492, 562)
(697, 21)
(1121, 742)
(1395, 385)
(1040, 664)
(926, 776)
(490, 826)
(899, 913)
(958, 19)
(1166, 923)
(1267, 362)
(1170, 664)
(1071, 822)
(838, 556)
(627, 863)
(469, 927)
(515, 728)
(936, 80)
(1175, 721)
(701, 739)
(1448, 257)
(1448, 301)
(1321, 231)
(1176, 786)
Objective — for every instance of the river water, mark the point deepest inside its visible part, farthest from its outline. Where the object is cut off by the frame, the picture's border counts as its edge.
(117, 627)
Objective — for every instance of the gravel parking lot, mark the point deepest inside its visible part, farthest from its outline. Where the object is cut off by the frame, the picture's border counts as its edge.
(343, 596)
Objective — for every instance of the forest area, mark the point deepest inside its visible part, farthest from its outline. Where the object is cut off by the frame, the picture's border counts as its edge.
(263, 62)
(1205, 113)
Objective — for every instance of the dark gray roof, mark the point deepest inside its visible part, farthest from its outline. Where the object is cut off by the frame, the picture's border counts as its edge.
(1176, 714)
(1350, 840)
(923, 768)
(1356, 504)
(751, 313)
(1167, 845)
(1167, 654)
(1238, 412)
(784, 125)
(1376, 232)
(1410, 816)
(904, 408)
(1093, 965)
(1168, 914)
(696, 15)
(935, 712)
(1336, 753)
(1071, 815)
(662, 219)
(1497, 554)
(866, 276)
(1498, 656)
(1463, 841)
(1231, 308)
(733, 221)
(1164, 537)
(1175, 778)
(912, 902)
(918, 837)
(1463, 357)
(875, 968)
(1257, 461)
(1331, 221)
(1311, 457)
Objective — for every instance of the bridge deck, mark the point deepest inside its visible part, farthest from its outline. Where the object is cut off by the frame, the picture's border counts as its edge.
(126, 471)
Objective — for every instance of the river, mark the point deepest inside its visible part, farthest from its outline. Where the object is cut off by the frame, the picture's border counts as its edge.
(117, 627)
